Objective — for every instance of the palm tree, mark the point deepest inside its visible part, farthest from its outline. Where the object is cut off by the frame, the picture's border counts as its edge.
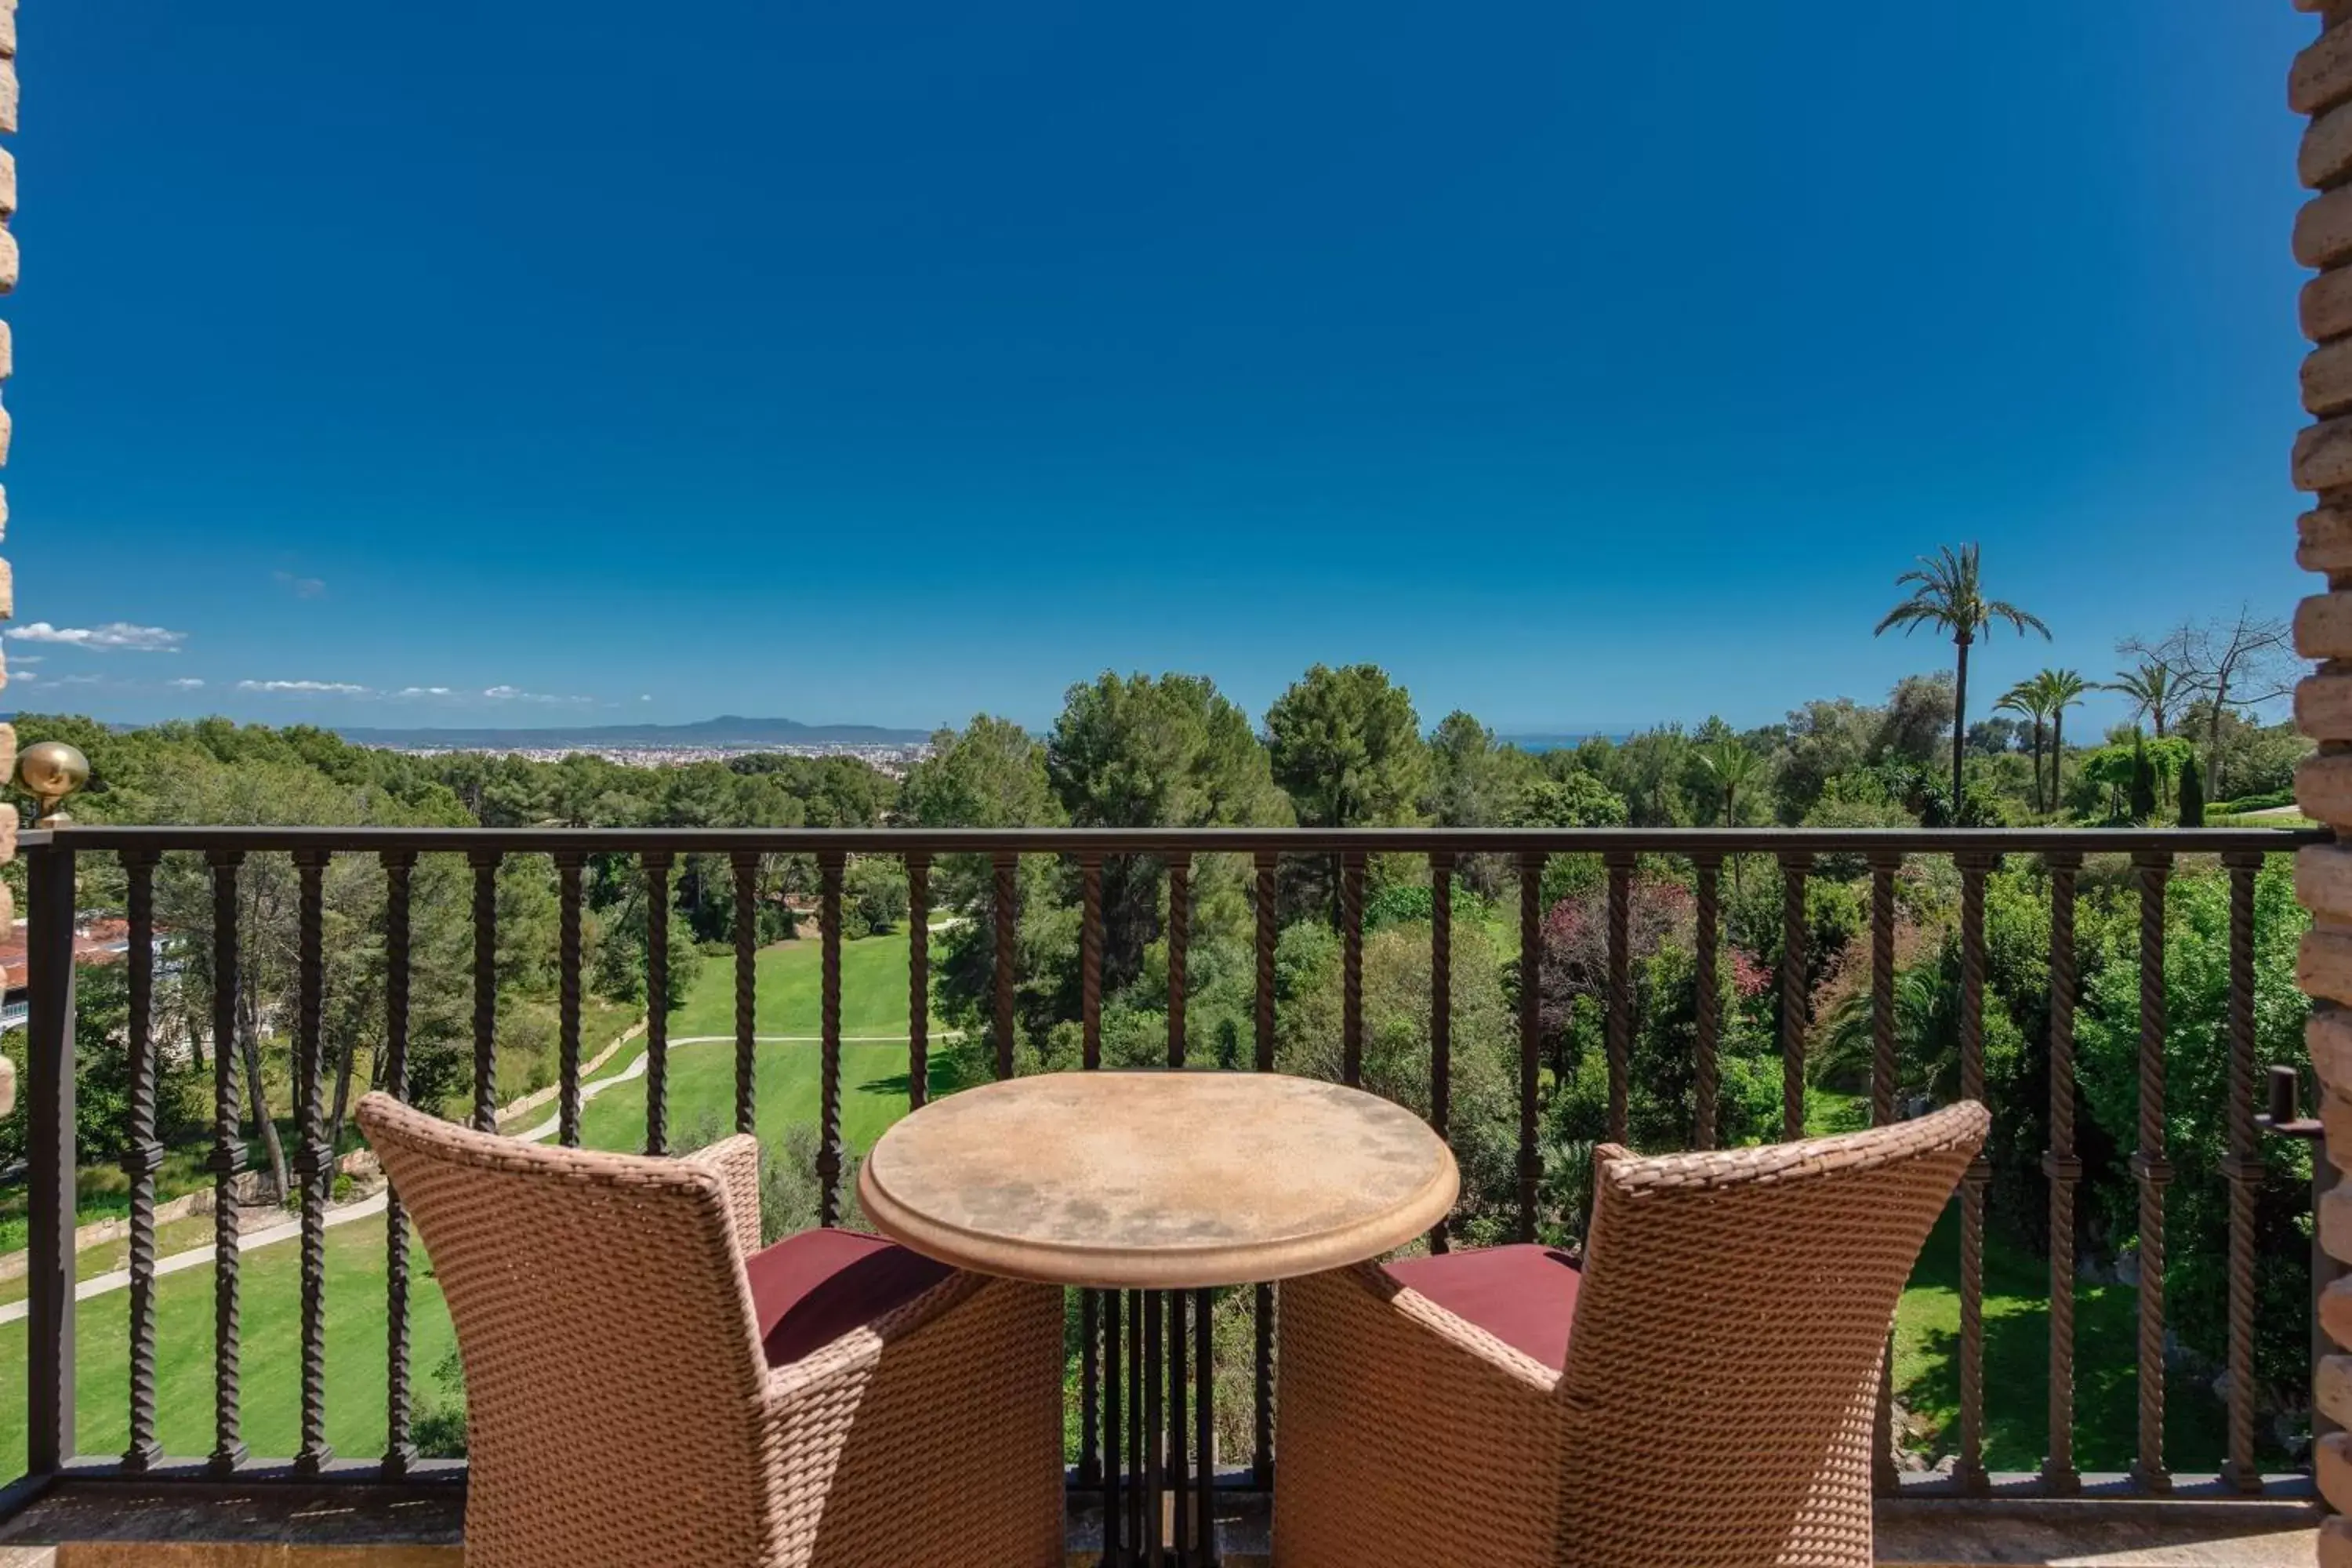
(2061, 689)
(1926, 1028)
(2025, 700)
(1734, 767)
(2153, 690)
(1946, 594)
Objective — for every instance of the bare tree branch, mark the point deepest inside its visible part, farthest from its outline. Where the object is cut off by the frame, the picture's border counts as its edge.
(2247, 660)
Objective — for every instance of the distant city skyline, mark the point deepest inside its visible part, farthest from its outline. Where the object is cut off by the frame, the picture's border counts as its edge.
(1585, 367)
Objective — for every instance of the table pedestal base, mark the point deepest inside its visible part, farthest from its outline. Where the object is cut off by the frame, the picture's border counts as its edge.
(1159, 1457)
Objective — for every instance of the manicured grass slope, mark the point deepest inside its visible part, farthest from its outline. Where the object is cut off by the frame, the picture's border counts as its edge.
(270, 1320)
(2017, 1365)
(702, 1095)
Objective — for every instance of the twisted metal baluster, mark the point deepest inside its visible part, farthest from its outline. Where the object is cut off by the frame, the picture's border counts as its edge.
(1204, 1430)
(1180, 1511)
(1180, 934)
(1969, 1469)
(1179, 943)
(1620, 864)
(568, 866)
(1794, 865)
(227, 1161)
(745, 865)
(1883, 869)
(1007, 863)
(314, 1164)
(1091, 958)
(141, 1158)
(1531, 945)
(1707, 866)
(1264, 907)
(828, 1148)
(2063, 1169)
(2152, 1170)
(1113, 1515)
(1351, 967)
(656, 864)
(2244, 1169)
(1884, 1477)
(400, 1453)
(919, 979)
(1091, 1302)
(1441, 1011)
(486, 987)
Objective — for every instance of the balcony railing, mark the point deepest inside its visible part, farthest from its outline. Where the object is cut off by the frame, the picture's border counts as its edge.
(650, 857)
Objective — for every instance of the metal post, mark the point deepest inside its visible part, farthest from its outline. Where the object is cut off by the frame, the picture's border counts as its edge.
(50, 1154)
(2281, 1120)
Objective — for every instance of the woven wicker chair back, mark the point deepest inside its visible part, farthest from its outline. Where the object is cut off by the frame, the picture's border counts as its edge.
(1721, 1380)
(614, 1380)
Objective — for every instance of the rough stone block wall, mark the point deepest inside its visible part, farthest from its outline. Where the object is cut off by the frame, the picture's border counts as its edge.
(2319, 86)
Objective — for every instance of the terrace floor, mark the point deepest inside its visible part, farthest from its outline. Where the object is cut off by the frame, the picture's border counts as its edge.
(208, 1525)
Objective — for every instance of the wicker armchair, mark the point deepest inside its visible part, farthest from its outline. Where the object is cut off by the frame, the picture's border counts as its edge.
(1699, 1394)
(646, 1386)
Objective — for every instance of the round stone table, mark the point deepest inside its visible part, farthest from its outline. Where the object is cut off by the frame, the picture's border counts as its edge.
(1158, 1184)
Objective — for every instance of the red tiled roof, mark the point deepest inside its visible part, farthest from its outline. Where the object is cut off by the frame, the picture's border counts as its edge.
(99, 941)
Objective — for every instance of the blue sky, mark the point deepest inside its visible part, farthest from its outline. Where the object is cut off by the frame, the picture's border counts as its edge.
(1585, 364)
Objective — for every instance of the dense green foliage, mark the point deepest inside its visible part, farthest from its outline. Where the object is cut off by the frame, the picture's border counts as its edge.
(1341, 747)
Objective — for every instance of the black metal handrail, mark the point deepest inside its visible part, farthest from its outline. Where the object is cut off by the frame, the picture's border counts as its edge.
(52, 856)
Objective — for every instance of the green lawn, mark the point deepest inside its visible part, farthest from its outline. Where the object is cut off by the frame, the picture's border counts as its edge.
(175, 1235)
(103, 1192)
(702, 1090)
(2017, 1365)
(2017, 1352)
(271, 1319)
(702, 1075)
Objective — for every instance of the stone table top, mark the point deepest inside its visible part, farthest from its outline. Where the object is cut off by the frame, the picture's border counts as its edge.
(1156, 1180)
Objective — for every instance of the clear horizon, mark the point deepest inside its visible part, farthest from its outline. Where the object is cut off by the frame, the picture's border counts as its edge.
(888, 367)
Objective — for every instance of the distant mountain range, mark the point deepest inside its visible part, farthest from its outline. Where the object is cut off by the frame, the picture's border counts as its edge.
(728, 730)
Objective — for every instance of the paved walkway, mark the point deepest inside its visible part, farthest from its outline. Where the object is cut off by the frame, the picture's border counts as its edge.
(290, 1230)
(636, 1068)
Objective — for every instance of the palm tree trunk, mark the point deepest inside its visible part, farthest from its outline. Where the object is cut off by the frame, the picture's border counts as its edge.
(2037, 761)
(2057, 755)
(1959, 721)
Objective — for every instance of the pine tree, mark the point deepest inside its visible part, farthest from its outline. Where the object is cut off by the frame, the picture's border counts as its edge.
(2143, 781)
(2193, 794)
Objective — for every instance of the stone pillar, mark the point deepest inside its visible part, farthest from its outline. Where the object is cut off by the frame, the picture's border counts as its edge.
(2319, 85)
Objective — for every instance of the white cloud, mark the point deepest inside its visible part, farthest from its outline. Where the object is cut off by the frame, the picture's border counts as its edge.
(186, 683)
(300, 587)
(16, 676)
(516, 694)
(319, 688)
(113, 638)
(501, 693)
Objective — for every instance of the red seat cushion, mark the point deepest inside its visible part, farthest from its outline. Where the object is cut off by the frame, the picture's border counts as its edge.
(1524, 1296)
(810, 1289)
